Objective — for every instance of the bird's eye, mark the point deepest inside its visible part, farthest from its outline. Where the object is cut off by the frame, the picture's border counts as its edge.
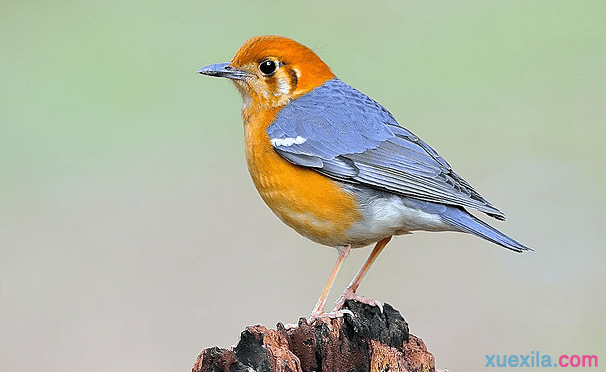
(268, 67)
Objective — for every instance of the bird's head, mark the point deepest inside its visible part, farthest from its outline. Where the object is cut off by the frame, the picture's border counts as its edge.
(272, 70)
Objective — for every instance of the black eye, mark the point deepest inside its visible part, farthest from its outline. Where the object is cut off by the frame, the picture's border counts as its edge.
(268, 67)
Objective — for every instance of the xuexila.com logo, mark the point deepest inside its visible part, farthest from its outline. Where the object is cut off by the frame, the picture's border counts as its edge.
(535, 359)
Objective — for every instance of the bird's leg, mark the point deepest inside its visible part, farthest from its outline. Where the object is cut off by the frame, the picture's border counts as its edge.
(350, 291)
(319, 308)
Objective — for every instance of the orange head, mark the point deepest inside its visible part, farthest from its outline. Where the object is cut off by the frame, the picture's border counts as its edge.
(272, 70)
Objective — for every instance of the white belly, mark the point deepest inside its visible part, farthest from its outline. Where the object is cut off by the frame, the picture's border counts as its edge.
(387, 214)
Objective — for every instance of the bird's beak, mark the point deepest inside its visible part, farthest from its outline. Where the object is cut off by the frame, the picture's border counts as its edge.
(224, 70)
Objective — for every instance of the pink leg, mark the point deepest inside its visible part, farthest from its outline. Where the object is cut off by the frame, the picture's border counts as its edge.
(319, 308)
(350, 291)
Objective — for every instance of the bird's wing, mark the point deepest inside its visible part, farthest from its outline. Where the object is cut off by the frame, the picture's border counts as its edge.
(345, 135)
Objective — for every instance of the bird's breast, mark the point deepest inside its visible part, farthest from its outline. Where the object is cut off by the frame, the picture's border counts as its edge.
(312, 204)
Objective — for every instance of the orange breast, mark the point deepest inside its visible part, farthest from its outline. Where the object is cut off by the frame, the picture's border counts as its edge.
(312, 204)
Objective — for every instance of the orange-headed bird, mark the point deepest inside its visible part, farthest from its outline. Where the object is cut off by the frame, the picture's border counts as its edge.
(334, 164)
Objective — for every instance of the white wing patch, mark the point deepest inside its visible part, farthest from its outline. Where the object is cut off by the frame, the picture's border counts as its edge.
(287, 141)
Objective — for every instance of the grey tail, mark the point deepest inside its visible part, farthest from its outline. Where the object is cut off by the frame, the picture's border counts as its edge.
(465, 222)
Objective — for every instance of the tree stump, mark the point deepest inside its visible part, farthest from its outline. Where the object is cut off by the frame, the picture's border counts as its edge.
(368, 340)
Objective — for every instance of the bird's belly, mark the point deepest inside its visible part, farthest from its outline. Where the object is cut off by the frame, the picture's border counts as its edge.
(386, 214)
(312, 204)
(335, 213)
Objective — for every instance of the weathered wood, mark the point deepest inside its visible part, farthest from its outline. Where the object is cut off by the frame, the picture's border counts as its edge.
(370, 340)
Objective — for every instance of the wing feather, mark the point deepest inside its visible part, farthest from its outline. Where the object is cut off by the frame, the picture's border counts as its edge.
(352, 138)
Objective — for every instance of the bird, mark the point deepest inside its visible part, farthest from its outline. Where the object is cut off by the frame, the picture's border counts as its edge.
(335, 165)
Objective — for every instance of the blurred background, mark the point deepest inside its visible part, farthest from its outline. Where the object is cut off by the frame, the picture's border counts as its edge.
(132, 236)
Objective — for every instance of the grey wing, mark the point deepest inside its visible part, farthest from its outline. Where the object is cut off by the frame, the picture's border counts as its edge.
(345, 135)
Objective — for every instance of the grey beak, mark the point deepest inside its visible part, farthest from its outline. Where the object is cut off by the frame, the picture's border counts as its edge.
(224, 70)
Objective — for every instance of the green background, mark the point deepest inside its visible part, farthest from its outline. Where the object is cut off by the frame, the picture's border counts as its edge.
(132, 236)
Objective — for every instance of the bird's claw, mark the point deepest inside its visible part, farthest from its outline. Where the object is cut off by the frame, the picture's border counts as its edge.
(351, 295)
(331, 315)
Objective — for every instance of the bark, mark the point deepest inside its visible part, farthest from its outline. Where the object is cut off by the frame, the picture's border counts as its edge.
(370, 340)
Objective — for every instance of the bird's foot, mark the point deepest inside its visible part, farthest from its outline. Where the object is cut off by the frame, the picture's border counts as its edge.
(316, 315)
(349, 294)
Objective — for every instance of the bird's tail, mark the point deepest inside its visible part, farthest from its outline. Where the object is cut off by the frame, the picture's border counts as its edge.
(465, 222)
